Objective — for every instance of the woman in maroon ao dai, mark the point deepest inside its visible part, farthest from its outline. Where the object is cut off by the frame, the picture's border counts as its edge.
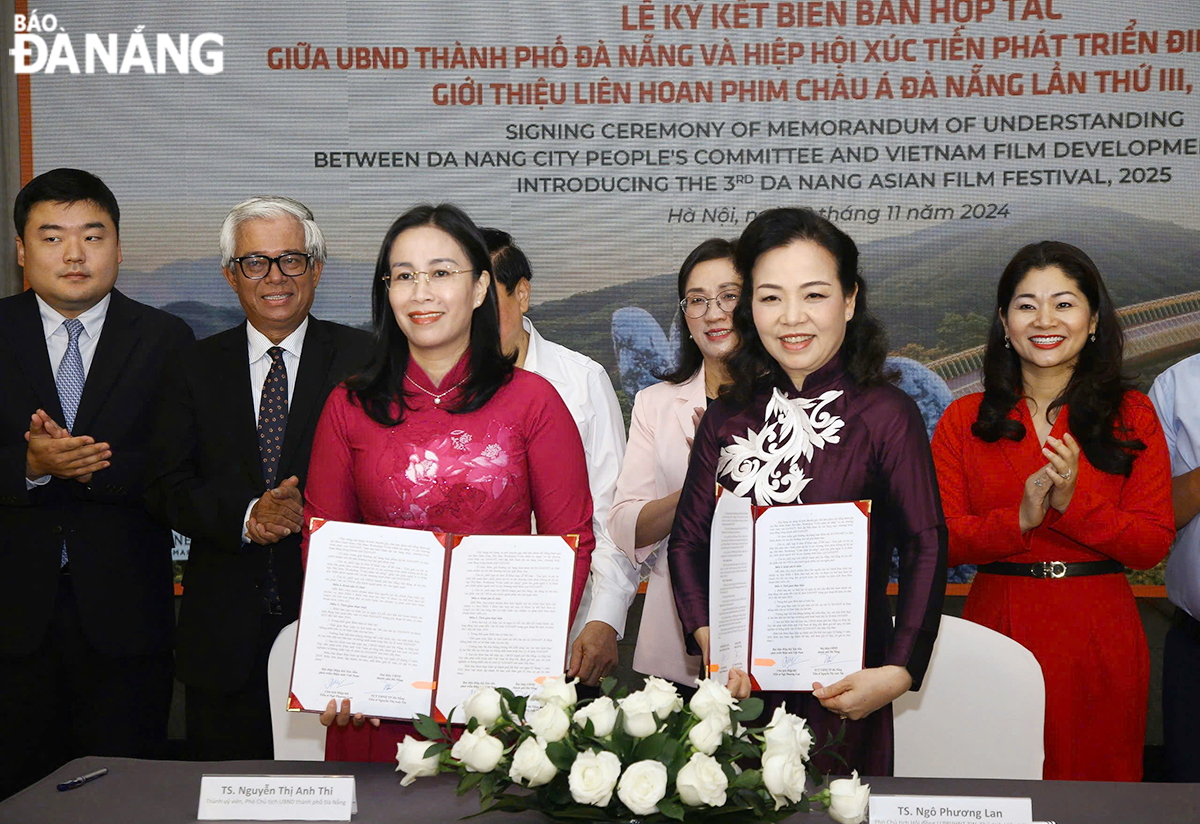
(810, 419)
(441, 432)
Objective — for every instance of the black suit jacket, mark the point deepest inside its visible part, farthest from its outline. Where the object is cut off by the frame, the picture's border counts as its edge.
(120, 557)
(207, 442)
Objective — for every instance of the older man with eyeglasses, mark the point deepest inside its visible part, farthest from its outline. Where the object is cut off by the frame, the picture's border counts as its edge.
(234, 437)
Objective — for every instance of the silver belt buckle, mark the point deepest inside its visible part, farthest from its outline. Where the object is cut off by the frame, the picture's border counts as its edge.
(1054, 569)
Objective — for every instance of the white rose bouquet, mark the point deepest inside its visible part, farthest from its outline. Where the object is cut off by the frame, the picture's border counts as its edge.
(645, 755)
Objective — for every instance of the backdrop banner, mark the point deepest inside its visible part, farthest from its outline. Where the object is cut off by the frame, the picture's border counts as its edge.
(610, 138)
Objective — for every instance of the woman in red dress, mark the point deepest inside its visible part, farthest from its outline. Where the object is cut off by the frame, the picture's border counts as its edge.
(441, 432)
(1055, 479)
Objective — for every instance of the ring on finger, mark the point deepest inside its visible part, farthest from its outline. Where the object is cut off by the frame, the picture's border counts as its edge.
(1038, 482)
(1065, 474)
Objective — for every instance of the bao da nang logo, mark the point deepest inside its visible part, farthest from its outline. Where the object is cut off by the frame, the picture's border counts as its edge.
(41, 44)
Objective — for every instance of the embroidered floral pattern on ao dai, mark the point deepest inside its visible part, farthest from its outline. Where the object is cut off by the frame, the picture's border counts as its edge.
(766, 465)
(456, 472)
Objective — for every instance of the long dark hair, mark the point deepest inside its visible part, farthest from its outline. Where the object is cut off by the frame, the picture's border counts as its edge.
(690, 356)
(864, 349)
(380, 388)
(1093, 394)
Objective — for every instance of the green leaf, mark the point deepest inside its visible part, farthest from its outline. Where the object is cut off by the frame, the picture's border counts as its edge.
(650, 747)
(468, 782)
(427, 727)
(671, 809)
(748, 709)
(472, 724)
(750, 779)
(560, 754)
(487, 784)
(436, 748)
(608, 684)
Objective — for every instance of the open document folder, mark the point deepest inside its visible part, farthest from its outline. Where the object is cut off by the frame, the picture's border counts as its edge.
(787, 591)
(403, 621)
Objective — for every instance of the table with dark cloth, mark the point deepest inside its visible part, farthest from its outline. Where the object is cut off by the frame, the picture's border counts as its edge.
(165, 792)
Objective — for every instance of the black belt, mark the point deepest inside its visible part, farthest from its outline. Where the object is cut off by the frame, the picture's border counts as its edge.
(1053, 569)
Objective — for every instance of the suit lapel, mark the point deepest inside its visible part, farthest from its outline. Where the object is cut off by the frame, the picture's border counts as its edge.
(26, 334)
(118, 338)
(307, 399)
(690, 395)
(230, 376)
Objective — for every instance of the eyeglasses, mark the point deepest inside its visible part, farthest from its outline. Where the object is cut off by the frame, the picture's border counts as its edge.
(696, 306)
(434, 279)
(257, 267)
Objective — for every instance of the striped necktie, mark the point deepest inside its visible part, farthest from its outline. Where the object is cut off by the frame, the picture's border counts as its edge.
(69, 379)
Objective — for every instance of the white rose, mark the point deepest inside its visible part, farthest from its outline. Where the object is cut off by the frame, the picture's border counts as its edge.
(478, 751)
(848, 800)
(642, 786)
(550, 722)
(411, 760)
(557, 690)
(483, 706)
(664, 698)
(531, 763)
(788, 733)
(640, 720)
(783, 775)
(593, 776)
(603, 713)
(710, 698)
(706, 736)
(702, 781)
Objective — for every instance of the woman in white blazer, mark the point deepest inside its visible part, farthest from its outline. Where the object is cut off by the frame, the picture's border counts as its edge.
(663, 424)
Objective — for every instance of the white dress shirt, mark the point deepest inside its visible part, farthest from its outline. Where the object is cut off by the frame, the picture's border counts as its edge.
(56, 345)
(257, 345)
(1176, 398)
(588, 394)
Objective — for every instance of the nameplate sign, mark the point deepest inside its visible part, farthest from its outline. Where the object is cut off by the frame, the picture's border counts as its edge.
(949, 809)
(277, 798)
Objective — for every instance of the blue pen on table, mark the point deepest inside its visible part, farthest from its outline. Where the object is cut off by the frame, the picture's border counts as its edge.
(83, 779)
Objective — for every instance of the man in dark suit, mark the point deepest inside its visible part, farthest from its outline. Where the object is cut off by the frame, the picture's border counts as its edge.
(86, 615)
(234, 439)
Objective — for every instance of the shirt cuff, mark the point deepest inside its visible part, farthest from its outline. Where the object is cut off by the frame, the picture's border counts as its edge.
(614, 581)
(36, 482)
(607, 609)
(246, 522)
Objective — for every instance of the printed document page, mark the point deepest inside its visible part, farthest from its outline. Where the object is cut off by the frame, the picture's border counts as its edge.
(729, 573)
(507, 615)
(369, 619)
(810, 589)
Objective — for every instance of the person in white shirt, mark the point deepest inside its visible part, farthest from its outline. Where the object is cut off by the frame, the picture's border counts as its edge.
(1176, 398)
(588, 393)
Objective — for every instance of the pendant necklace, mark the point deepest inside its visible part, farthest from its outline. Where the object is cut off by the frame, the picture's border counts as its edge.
(437, 396)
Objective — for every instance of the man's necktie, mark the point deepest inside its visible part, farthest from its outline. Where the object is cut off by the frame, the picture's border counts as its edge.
(272, 421)
(69, 379)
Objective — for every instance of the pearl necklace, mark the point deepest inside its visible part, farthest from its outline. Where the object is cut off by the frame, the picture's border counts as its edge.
(437, 397)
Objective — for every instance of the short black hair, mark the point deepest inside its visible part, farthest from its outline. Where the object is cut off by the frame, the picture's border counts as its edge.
(509, 264)
(64, 186)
